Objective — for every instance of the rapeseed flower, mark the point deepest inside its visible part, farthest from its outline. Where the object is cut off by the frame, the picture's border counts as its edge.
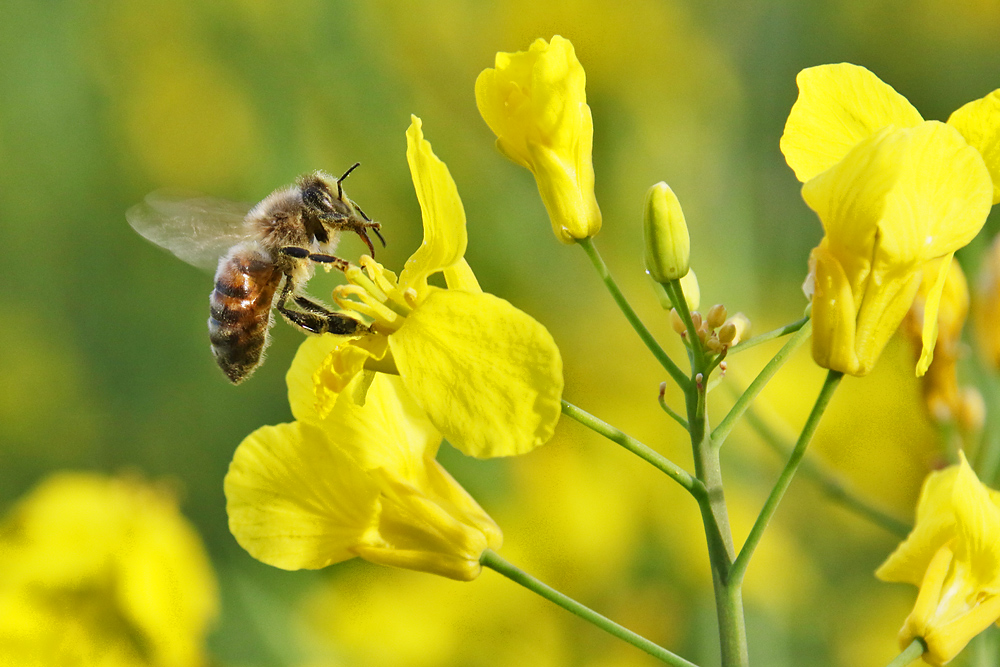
(986, 312)
(364, 483)
(488, 375)
(895, 193)
(953, 556)
(535, 102)
(103, 571)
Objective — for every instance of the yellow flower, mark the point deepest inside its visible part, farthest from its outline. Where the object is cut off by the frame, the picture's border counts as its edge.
(488, 375)
(365, 484)
(953, 556)
(536, 104)
(893, 192)
(102, 571)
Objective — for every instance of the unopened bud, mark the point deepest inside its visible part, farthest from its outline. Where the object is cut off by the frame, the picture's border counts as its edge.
(735, 330)
(713, 344)
(696, 320)
(668, 246)
(676, 322)
(716, 316)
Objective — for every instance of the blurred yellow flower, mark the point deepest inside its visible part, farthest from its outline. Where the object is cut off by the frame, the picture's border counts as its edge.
(953, 556)
(535, 102)
(488, 375)
(102, 571)
(986, 312)
(364, 483)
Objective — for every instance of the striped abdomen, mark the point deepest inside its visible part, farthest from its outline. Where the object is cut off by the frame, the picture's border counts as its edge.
(245, 284)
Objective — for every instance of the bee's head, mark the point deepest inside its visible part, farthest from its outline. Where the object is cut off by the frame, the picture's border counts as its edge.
(323, 196)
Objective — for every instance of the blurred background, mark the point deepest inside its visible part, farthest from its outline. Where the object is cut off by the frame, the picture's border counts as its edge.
(104, 358)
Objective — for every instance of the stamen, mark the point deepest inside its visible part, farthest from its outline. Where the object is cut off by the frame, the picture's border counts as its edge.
(366, 304)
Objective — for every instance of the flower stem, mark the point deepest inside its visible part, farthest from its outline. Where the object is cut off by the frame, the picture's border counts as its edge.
(721, 431)
(675, 472)
(493, 561)
(770, 335)
(715, 516)
(602, 269)
(785, 479)
(827, 481)
(910, 654)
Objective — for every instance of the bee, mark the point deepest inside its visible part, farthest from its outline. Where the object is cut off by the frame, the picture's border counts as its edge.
(258, 252)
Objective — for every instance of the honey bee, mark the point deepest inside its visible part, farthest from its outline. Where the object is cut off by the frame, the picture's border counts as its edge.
(251, 249)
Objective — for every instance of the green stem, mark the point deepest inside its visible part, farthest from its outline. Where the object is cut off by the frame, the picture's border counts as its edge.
(675, 472)
(785, 479)
(676, 294)
(669, 410)
(828, 482)
(602, 269)
(910, 654)
(493, 561)
(715, 516)
(770, 335)
(743, 402)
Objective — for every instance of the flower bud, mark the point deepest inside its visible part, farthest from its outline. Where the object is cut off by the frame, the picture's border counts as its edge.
(716, 316)
(668, 246)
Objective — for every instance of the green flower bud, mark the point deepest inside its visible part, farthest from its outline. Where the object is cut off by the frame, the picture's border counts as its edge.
(668, 246)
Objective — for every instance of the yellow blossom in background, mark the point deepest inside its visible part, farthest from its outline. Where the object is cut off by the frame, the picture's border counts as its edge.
(946, 401)
(893, 192)
(953, 556)
(364, 483)
(986, 312)
(488, 375)
(535, 102)
(102, 571)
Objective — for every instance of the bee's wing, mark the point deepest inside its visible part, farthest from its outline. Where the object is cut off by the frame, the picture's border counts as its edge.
(197, 228)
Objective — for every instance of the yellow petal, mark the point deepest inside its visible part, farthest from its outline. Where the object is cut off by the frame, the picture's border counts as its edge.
(838, 107)
(535, 101)
(460, 276)
(834, 313)
(895, 202)
(979, 123)
(389, 431)
(978, 524)
(932, 303)
(935, 526)
(445, 236)
(294, 501)
(302, 395)
(419, 532)
(488, 375)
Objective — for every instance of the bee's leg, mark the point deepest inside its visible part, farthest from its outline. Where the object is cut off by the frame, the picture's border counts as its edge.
(318, 322)
(310, 305)
(305, 253)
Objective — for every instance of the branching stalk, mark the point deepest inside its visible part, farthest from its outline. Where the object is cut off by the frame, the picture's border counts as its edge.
(493, 561)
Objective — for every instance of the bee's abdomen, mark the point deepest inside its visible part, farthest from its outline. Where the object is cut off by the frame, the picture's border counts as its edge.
(240, 312)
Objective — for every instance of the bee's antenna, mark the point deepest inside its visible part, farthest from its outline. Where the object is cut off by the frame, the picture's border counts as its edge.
(340, 188)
